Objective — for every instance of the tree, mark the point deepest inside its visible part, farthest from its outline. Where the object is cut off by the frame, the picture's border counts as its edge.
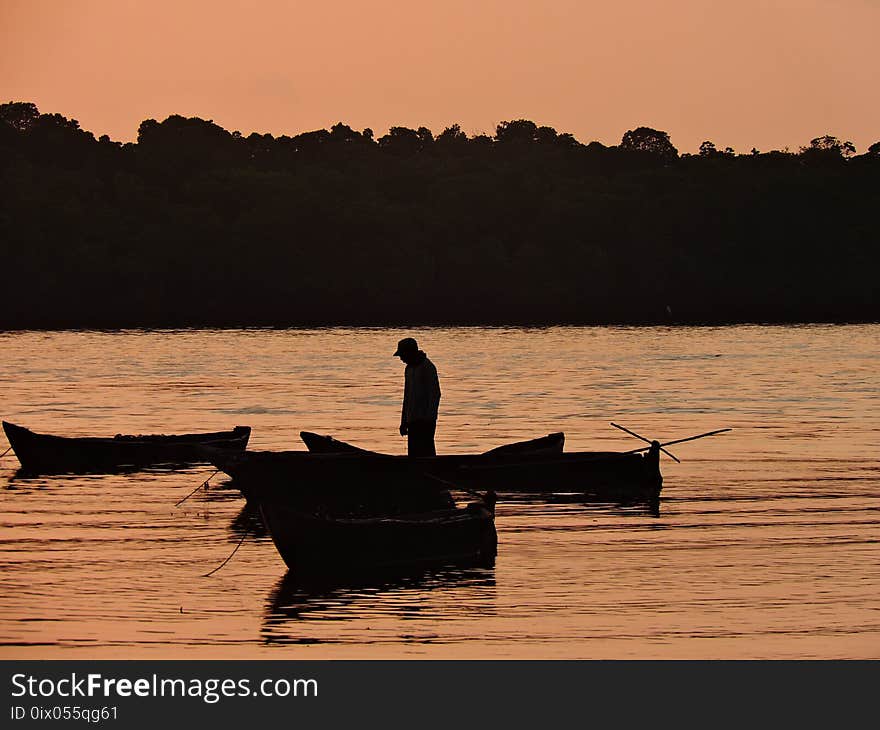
(829, 146)
(481, 141)
(546, 135)
(310, 143)
(178, 131)
(343, 134)
(874, 149)
(566, 140)
(61, 139)
(426, 137)
(519, 131)
(451, 137)
(57, 123)
(708, 149)
(185, 142)
(403, 140)
(19, 115)
(653, 141)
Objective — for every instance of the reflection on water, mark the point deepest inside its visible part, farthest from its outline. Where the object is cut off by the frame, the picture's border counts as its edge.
(441, 595)
(248, 522)
(591, 503)
(765, 543)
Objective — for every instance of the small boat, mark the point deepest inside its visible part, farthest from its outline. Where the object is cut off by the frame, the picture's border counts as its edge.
(46, 454)
(318, 542)
(332, 483)
(349, 485)
(362, 476)
(550, 444)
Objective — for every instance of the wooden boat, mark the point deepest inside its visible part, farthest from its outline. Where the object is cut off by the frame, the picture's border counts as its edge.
(317, 542)
(46, 454)
(332, 483)
(362, 477)
(550, 444)
(349, 486)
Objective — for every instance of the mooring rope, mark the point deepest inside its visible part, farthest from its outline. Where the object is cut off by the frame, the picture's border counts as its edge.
(203, 484)
(208, 575)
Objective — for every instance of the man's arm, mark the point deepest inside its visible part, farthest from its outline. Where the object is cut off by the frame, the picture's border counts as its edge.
(403, 426)
(436, 390)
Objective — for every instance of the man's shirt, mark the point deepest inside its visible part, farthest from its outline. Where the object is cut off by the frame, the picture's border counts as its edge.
(421, 392)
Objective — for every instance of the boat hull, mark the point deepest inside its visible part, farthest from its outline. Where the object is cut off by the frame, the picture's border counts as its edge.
(48, 454)
(312, 543)
(364, 477)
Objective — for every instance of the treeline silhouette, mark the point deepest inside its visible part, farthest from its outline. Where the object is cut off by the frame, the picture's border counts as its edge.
(197, 226)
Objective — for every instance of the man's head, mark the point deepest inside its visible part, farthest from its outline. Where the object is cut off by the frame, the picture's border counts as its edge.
(407, 349)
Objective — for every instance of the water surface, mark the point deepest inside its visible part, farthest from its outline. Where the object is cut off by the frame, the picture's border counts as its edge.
(766, 544)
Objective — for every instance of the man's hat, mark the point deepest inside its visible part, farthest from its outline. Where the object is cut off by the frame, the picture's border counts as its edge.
(407, 344)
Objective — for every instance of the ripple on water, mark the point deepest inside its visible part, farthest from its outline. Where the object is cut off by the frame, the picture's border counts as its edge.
(766, 542)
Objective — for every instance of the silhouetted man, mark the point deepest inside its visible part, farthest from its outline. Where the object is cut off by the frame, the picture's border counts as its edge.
(421, 399)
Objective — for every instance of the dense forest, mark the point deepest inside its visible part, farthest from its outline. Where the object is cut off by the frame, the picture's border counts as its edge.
(194, 225)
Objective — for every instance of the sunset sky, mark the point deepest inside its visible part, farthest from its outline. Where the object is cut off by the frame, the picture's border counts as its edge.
(753, 73)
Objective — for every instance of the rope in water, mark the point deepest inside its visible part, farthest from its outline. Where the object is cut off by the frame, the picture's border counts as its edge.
(203, 484)
(208, 575)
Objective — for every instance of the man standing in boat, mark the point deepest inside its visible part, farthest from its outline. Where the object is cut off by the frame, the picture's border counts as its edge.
(421, 399)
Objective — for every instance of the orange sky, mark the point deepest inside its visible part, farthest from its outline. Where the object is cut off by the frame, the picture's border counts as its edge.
(751, 73)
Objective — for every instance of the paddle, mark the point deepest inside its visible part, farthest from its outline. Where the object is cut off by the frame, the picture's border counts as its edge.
(647, 441)
(699, 436)
(681, 441)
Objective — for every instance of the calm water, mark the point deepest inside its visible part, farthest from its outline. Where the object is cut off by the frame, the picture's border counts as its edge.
(766, 544)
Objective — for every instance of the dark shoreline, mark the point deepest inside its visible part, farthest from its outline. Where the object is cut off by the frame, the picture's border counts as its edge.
(195, 226)
(432, 325)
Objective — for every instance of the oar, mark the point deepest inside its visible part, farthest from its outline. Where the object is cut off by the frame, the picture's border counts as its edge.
(647, 441)
(681, 441)
(694, 438)
(5, 452)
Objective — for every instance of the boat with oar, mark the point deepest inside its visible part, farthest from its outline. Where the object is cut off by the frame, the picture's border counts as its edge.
(48, 454)
(538, 465)
(364, 478)
(312, 542)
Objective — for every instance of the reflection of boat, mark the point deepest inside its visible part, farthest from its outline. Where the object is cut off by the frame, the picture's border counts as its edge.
(46, 454)
(248, 522)
(622, 505)
(341, 544)
(297, 598)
